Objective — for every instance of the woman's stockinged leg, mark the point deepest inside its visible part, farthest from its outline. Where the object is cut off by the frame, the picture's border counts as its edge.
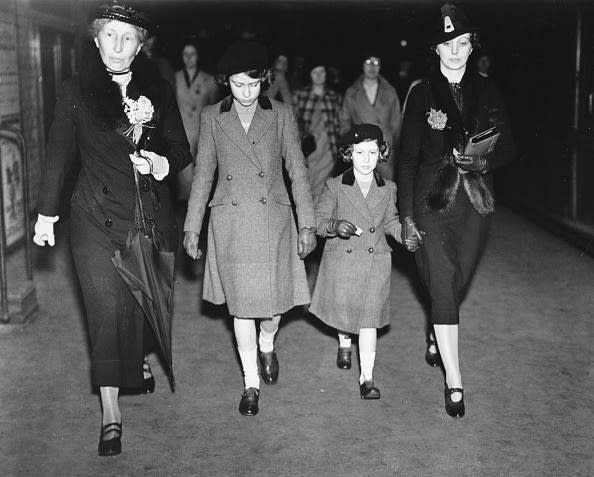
(109, 403)
(447, 340)
(367, 347)
(245, 335)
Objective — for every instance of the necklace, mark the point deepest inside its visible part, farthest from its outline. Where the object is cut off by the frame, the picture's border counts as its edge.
(187, 77)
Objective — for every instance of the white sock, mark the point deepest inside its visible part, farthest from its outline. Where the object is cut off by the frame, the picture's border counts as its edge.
(367, 360)
(344, 340)
(266, 340)
(249, 362)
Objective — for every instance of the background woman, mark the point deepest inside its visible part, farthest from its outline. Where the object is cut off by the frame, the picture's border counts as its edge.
(279, 89)
(317, 109)
(90, 123)
(194, 89)
(254, 250)
(445, 196)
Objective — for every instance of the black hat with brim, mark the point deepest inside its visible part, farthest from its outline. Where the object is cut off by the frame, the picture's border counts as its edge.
(242, 56)
(453, 23)
(360, 133)
(121, 12)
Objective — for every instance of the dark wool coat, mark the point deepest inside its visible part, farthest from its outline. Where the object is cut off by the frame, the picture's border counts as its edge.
(251, 261)
(353, 285)
(88, 126)
(452, 209)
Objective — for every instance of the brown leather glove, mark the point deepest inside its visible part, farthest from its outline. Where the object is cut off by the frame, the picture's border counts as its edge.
(307, 242)
(343, 228)
(412, 237)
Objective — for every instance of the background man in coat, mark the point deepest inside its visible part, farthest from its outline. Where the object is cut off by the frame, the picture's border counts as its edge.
(371, 99)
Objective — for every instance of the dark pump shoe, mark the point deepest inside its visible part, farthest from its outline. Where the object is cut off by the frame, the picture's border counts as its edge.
(111, 446)
(432, 357)
(269, 367)
(248, 406)
(343, 358)
(148, 385)
(369, 391)
(454, 409)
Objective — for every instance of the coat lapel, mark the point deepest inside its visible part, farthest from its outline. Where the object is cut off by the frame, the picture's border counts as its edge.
(261, 121)
(375, 196)
(231, 125)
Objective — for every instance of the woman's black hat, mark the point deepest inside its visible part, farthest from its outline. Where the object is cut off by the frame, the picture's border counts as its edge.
(241, 56)
(453, 23)
(360, 133)
(119, 11)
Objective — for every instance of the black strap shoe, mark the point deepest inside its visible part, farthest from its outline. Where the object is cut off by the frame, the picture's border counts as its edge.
(433, 358)
(343, 358)
(269, 367)
(113, 445)
(148, 385)
(369, 391)
(454, 408)
(248, 406)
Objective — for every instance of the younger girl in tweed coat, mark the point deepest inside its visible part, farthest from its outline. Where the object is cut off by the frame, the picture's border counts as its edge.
(355, 212)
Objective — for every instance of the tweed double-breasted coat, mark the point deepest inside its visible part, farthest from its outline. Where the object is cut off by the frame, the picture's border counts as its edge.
(353, 286)
(251, 259)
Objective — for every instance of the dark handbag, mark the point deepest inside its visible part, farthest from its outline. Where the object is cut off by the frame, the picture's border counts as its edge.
(308, 145)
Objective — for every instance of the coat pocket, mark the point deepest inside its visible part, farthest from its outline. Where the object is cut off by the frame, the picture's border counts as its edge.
(282, 198)
(217, 200)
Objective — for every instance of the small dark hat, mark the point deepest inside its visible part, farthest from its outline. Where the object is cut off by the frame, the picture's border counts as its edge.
(115, 10)
(360, 133)
(453, 23)
(243, 55)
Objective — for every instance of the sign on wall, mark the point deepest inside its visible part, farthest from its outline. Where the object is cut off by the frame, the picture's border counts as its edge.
(9, 73)
(12, 189)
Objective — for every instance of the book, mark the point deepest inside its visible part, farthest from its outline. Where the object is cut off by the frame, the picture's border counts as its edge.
(483, 142)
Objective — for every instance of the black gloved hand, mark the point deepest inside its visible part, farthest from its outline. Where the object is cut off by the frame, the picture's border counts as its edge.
(307, 242)
(412, 237)
(343, 228)
(470, 162)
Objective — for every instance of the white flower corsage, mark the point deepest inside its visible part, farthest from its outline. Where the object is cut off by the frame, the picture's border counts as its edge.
(437, 119)
(139, 113)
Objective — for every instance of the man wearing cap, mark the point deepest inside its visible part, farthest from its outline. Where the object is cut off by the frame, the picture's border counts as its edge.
(371, 99)
(255, 248)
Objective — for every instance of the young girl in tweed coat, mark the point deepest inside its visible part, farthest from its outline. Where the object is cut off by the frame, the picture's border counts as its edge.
(355, 212)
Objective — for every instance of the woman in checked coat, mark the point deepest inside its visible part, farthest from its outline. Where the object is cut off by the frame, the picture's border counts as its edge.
(255, 250)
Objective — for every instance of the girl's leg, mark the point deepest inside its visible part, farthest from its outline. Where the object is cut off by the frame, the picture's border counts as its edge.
(447, 340)
(343, 358)
(268, 329)
(367, 346)
(111, 409)
(245, 335)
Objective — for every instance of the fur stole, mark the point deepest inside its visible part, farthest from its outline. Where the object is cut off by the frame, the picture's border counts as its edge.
(460, 124)
(102, 97)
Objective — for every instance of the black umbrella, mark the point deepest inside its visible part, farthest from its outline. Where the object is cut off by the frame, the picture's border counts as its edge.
(148, 271)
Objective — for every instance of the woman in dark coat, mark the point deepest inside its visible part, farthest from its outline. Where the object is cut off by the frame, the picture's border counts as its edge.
(445, 197)
(255, 249)
(91, 123)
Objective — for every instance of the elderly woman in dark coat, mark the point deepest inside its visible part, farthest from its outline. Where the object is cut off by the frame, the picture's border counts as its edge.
(445, 197)
(255, 251)
(91, 123)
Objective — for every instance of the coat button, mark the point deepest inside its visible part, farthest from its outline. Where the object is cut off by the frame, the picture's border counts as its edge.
(370, 250)
(371, 229)
(263, 200)
(105, 190)
(144, 186)
(233, 202)
(229, 177)
(261, 174)
(349, 250)
(108, 223)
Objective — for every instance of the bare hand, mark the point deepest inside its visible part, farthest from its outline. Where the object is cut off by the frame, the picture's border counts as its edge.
(307, 242)
(412, 237)
(191, 245)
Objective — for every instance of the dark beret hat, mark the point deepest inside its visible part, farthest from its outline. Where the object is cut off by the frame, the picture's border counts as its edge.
(360, 133)
(241, 56)
(115, 10)
(453, 23)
